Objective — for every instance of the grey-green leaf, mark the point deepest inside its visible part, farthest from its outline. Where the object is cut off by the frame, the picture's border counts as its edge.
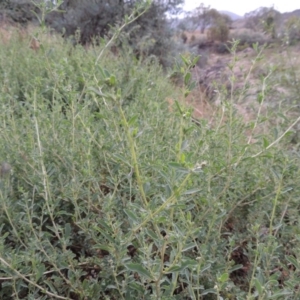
(135, 267)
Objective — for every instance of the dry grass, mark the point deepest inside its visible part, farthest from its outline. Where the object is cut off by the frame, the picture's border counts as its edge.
(29, 36)
(10, 32)
(195, 36)
(248, 84)
(5, 32)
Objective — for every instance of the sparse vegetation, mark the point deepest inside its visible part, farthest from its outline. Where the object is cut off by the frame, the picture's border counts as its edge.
(110, 188)
(247, 38)
(292, 30)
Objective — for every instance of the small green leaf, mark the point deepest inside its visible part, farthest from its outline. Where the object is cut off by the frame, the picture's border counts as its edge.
(104, 225)
(266, 143)
(131, 215)
(282, 116)
(280, 294)
(178, 107)
(106, 235)
(184, 145)
(111, 287)
(192, 85)
(67, 230)
(288, 189)
(293, 261)
(152, 234)
(122, 159)
(175, 268)
(132, 121)
(137, 287)
(235, 268)
(39, 271)
(102, 247)
(186, 62)
(182, 158)
(186, 93)
(207, 267)
(50, 285)
(147, 187)
(209, 291)
(196, 59)
(112, 80)
(224, 277)
(106, 73)
(189, 247)
(258, 286)
(260, 98)
(187, 78)
(187, 263)
(255, 46)
(135, 267)
(189, 217)
(98, 92)
(104, 95)
(289, 133)
(177, 166)
(101, 71)
(191, 191)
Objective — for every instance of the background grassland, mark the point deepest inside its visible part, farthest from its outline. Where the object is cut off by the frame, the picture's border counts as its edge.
(114, 196)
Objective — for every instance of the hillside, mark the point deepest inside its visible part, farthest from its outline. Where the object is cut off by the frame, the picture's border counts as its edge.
(232, 15)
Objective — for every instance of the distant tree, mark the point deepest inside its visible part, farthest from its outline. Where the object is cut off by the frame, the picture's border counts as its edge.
(269, 22)
(19, 11)
(219, 30)
(94, 18)
(205, 17)
(202, 15)
(264, 19)
(292, 30)
(87, 20)
(227, 20)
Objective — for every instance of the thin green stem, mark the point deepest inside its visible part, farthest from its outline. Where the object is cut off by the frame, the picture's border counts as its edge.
(134, 157)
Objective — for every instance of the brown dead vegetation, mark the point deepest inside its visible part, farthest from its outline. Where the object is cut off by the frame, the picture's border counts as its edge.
(198, 103)
(34, 44)
(10, 31)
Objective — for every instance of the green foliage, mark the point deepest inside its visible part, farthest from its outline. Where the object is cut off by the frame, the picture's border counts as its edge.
(219, 31)
(21, 12)
(205, 17)
(247, 38)
(88, 21)
(111, 195)
(263, 19)
(292, 30)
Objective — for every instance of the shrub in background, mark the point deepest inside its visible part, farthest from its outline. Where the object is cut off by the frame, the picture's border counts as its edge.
(265, 19)
(292, 30)
(150, 34)
(219, 31)
(184, 37)
(22, 12)
(247, 38)
(89, 21)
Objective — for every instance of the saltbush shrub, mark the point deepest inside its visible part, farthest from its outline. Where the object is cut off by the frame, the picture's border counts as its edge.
(114, 194)
(247, 38)
(219, 31)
